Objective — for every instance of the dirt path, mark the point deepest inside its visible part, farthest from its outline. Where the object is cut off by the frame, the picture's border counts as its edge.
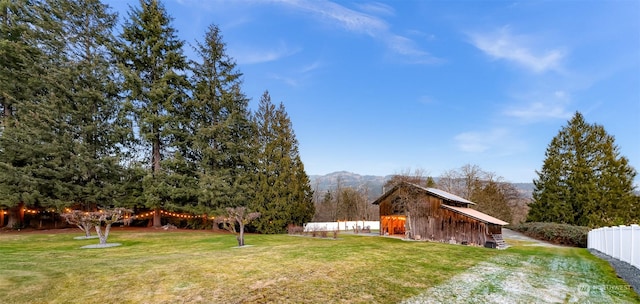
(509, 234)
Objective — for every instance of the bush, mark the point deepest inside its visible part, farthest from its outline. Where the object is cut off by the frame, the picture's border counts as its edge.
(295, 229)
(562, 234)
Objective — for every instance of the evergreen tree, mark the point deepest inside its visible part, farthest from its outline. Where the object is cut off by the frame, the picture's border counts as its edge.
(223, 136)
(284, 194)
(153, 66)
(97, 129)
(20, 63)
(584, 180)
(17, 54)
(46, 154)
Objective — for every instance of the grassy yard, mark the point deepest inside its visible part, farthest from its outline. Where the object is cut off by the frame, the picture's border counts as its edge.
(203, 267)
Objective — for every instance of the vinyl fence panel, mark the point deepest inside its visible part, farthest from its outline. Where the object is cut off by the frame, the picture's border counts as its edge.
(620, 242)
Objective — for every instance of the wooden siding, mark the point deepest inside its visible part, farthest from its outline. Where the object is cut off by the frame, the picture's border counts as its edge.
(426, 219)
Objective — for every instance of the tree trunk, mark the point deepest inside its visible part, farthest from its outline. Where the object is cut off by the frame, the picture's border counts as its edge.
(155, 168)
(157, 218)
(16, 216)
(86, 227)
(155, 155)
(1, 218)
(8, 111)
(241, 236)
(103, 240)
(101, 236)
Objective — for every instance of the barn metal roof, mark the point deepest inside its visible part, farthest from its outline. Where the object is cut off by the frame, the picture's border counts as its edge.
(476, 215)
(447, 196)
(433, 191)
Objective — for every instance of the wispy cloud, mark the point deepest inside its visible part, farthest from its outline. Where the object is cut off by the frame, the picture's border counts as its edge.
(364, 19)
(290, 81)
(297, 76)
(478, 142)
(311, 67)
(498, 141)
(520, 49)
(349, 19)
(376, 8)
(365, 24)
(542, 106)
(252, 55)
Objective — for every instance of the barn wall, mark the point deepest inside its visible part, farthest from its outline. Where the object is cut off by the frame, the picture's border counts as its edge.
(495, 229)
(445, 226)
(392, 221)
(386, 208)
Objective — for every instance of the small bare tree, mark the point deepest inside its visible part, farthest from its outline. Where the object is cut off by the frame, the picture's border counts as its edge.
(108, 217)
(239, 215)
(81, 219)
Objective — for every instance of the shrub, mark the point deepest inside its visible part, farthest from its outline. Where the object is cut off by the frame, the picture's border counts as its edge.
(295, 229)
(562, 234)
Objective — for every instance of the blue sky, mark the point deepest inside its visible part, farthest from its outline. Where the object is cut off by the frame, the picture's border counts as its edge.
(380, 87)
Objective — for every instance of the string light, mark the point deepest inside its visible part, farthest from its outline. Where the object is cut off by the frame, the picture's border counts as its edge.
(139, 216)
(33, 211)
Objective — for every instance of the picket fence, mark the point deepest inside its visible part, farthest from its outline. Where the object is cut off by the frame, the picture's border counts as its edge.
(341, 225)
(620, 242)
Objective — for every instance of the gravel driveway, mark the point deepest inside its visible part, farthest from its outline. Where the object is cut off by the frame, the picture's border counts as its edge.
(624, 270)
(509, 234)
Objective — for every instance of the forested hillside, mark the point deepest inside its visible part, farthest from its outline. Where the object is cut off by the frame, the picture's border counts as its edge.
(375, 184)
(347, 196)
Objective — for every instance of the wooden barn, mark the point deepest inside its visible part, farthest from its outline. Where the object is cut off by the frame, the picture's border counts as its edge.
(421, 213)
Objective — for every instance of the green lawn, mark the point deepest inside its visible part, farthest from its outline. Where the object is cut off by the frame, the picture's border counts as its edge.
(204, 267)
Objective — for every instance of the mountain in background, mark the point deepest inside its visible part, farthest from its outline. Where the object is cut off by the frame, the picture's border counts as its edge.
(323, 183)
(374, 184)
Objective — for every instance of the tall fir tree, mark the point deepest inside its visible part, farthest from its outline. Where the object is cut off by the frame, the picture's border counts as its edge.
(154, 68)
(61, 121)
(284, 194)
(91, 104)
(584, 180)
(223, 136)
(21, 63)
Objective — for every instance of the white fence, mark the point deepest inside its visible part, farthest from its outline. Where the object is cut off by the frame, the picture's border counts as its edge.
(620, 242)
(341, 225)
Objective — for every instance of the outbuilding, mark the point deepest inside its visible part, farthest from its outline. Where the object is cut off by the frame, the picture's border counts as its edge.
(422, 213)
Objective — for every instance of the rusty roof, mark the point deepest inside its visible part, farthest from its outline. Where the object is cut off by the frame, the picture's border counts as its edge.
(433, 191)
(476, 215)
(447, 196)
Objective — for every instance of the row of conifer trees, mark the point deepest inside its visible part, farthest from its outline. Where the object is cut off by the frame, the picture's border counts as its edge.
(95, 115)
